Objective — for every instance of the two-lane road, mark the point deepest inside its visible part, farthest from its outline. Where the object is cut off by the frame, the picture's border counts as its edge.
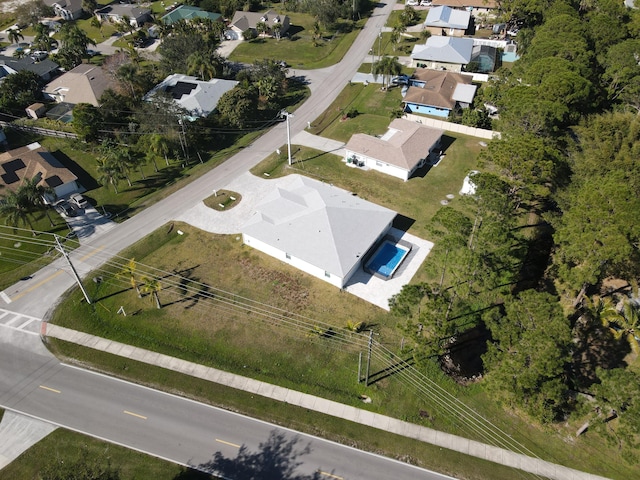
(165, 425)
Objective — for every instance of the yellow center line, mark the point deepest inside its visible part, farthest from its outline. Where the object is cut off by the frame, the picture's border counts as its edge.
(50, 389)
(327, 474)
(91, 254)
(54, 275)
(134, 414)
(227, 443)
(37, 285)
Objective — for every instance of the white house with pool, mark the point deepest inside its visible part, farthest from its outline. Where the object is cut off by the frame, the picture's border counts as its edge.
(325, 231)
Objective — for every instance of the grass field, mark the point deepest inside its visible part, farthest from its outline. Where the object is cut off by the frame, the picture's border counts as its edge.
(298, 49)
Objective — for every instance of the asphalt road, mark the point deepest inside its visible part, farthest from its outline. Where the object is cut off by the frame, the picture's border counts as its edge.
(33, 382)
(165, 425)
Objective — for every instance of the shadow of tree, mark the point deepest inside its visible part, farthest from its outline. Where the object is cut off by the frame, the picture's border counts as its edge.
(276, 459)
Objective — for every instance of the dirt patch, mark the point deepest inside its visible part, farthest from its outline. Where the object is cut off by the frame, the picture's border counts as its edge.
(288, 292)
(463, 360)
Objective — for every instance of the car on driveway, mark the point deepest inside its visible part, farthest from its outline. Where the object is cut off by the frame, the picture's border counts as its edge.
(66, 209)
(79, 201)
(413, 3)
(400, 80)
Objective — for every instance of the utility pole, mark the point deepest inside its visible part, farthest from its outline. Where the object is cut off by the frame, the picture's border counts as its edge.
(61, 249)
(286, 114)
(366, 378)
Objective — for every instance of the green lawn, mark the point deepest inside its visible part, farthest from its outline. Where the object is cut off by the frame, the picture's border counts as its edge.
(298, 49)
(68, 447)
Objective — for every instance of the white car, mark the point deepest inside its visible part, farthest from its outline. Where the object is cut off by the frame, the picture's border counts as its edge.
(425, 3)
(79, 201)
(412, 3)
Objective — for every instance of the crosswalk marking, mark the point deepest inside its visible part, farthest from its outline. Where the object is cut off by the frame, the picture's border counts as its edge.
(19, 322)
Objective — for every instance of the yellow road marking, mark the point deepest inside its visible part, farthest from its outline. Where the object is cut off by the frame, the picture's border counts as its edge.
(54, 275)
(227, 443)
(327, 474)
(91, 254)
(134, 414)
(37, 285)
(50, 389)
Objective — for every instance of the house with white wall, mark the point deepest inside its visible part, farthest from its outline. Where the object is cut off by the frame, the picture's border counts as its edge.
(34, 161)
(403, 149)
(317, 228)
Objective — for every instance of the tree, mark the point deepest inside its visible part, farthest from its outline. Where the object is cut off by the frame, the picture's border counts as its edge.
(89, 6)
(14, 35)
(624, 321)
(396, 35)
(238, 105)
(527, 358)
(42, 40)
(598, 232)
(109, 173)
(129, 270)
(87, 121)
(387, 67)
(15, 211)
(316, 34)
(19, 90)
(207, 64)
(30, 12)
(34, 195)
(74, 45)
(153, 286)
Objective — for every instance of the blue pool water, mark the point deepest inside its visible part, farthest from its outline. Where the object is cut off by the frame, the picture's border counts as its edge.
(387, 259)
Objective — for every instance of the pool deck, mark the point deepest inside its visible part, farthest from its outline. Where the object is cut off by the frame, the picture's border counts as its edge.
(253, 189)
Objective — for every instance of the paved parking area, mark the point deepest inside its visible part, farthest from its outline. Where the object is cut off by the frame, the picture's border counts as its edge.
(253, 189)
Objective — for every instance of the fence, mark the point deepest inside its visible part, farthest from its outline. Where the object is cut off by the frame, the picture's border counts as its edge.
(453, 127)
(38, 130)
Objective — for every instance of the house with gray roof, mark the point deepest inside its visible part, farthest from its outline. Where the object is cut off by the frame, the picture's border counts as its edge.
(242, 21)
(476, 7)
(444, 20)
(437, 93)
(443, 53)
(67, 9)
(83, 84)
(45, 69)
(318, 228)
(187, 13)
(119, 12)
(197, 97)
(403, 149)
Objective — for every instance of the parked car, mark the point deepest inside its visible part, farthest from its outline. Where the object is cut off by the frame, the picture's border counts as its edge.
(413, 3)
(400, 80)
(66, 209)
(425, 3)
(92, 53)
(39, 55)
(79, 201)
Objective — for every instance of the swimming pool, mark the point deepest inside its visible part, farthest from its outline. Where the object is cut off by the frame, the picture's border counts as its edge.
(387, 259)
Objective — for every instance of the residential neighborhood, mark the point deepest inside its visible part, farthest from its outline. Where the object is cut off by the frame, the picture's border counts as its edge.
(319, 239)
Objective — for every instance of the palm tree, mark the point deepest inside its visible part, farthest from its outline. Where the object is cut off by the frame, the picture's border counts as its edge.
(127, 74)
(34, 195)
(397, 33)
(316, 34)
(387, 67)
(109, 173)
(623, 321)
(96, 23)
(153, 286)
(13, 208)
(199, 62)
(160, 145)
(129, 270)
(14, 35)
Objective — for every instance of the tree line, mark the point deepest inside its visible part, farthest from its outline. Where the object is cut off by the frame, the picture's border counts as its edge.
(545, 255)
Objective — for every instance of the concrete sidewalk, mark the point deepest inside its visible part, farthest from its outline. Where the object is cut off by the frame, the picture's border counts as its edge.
(18, 433)
(328, 407)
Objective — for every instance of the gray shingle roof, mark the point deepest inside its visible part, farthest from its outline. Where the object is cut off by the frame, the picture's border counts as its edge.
(444, 49)
(318, 223)
(42, 68)
(439, 88)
